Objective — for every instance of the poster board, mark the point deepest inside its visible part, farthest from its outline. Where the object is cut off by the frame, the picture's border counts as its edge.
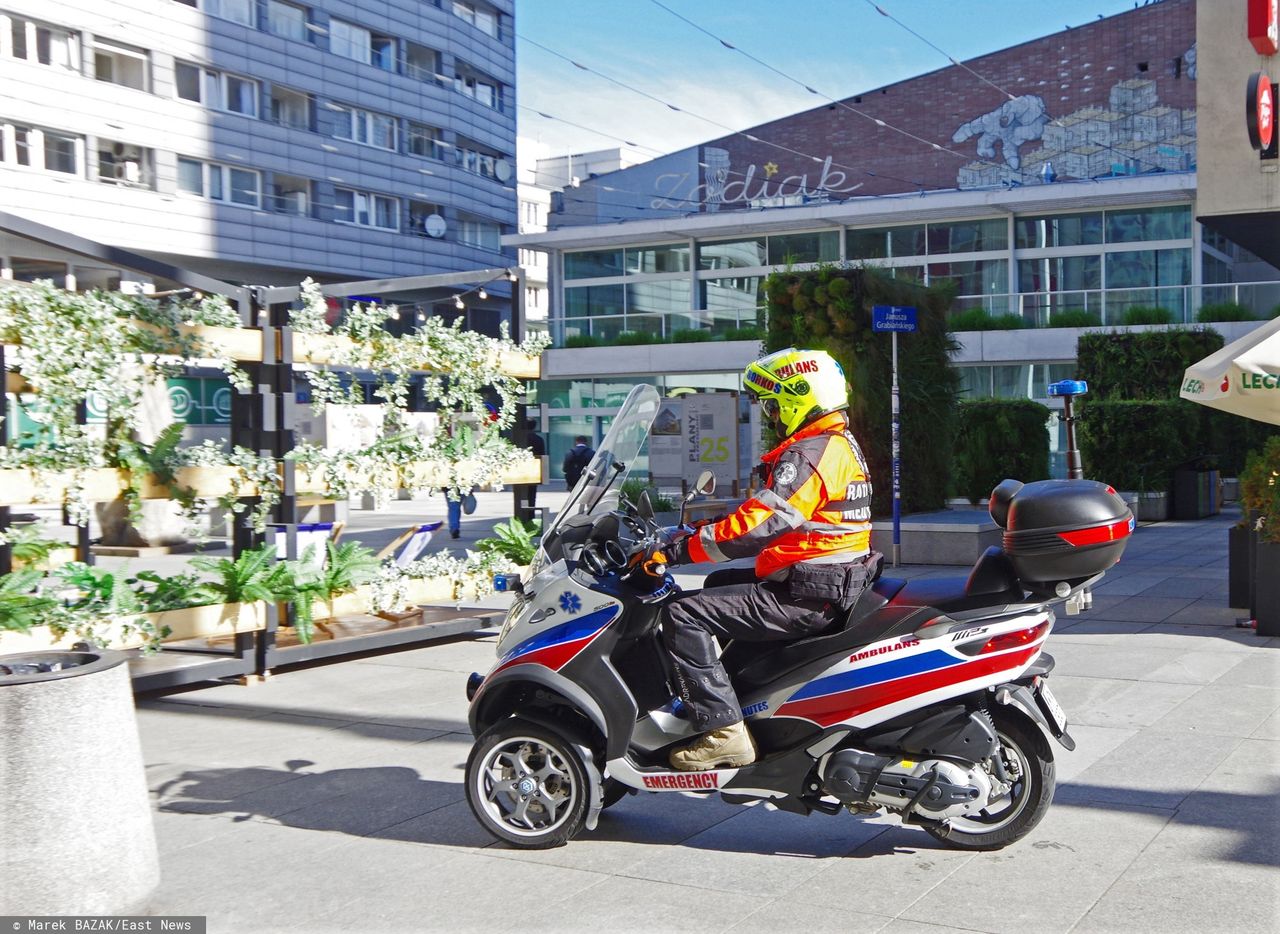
(693, 433)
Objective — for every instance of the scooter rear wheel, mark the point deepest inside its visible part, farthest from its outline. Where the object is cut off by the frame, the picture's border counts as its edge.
(527, 785)
(1029, 761)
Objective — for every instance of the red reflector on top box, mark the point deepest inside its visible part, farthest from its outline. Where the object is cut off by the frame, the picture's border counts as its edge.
(1097, 535)
(1060, 531)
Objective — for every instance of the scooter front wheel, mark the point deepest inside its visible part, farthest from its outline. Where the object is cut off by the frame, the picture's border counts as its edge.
(527, 785)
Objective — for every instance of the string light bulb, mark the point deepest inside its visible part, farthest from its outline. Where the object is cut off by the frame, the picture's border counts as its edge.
(513, 276)
(482, 294)
(458, 303)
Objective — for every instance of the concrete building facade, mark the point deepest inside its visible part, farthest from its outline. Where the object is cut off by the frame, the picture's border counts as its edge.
(261, 140)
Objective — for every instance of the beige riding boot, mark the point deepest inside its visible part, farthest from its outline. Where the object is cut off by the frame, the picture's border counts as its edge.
(728, 747)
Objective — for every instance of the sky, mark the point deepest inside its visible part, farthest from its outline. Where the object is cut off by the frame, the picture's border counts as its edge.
(838, 47)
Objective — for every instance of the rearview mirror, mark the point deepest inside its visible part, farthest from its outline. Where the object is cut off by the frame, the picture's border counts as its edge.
(706, 484)
(644, 507)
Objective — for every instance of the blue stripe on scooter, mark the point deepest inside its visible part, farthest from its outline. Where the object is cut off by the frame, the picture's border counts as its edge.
(565, 632)
(874, 674)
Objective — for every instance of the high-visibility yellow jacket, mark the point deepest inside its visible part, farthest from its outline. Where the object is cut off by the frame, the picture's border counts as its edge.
(815, 507)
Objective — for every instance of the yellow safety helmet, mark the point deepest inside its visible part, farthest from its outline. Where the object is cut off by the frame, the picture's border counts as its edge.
(796, 386)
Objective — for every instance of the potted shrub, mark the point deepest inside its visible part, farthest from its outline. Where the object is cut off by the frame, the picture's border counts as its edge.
(1260, 490)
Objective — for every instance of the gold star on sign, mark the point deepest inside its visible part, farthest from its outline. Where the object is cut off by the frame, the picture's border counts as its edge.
(770, 169)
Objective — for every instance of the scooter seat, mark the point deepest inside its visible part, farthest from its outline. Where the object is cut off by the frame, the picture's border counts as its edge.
(872, 619)
(991, 582)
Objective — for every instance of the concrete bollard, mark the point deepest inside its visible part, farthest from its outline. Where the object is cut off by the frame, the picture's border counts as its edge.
(76, 834)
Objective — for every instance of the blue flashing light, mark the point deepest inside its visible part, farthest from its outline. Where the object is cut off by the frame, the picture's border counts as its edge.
(1068, 387)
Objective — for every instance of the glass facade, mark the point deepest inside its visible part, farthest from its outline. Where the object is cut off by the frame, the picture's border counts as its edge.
(1060, 230)
(1072, 260)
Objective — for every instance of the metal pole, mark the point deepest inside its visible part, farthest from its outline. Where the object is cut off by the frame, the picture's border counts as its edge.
(1075, 470)
(897, 466)
(6, 551)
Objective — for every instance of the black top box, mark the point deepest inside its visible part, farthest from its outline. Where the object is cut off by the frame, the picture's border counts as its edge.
(1061, 531)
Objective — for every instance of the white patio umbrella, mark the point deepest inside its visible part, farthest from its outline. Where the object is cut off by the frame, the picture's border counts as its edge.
(1242, 378)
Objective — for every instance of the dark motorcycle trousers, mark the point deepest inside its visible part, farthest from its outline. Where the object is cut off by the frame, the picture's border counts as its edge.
(734, 604)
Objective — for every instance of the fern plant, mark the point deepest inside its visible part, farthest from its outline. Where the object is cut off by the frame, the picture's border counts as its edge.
(254, 576)
(514, 539)
(29, 546)
(22, 607)
(347, 567)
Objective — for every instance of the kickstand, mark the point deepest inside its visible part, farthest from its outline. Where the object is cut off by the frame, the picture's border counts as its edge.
(909, 812)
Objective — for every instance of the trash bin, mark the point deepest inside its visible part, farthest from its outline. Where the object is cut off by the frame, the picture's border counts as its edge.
(1195, 493)
(76, 835)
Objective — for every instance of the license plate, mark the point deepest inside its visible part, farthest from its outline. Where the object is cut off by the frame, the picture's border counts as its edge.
(1052, 707)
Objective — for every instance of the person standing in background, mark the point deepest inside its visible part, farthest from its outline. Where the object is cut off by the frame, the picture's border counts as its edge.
(576, 461)
(526, 494)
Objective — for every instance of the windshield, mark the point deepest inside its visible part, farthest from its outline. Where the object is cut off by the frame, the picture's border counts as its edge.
(597, 491)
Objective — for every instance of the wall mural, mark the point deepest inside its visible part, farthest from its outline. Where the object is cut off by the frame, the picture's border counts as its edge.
(1132, 134)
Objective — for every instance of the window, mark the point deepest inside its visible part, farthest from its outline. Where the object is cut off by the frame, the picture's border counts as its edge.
(286, 20)
(592, 264)
(361, 45)
(238, 11)
(349, 41)
(973, 277)
(290, 108)
(969, 236)
(239, 95)
(478, 232)
(479, 16)
(125, 164)
(290, 195)
(420, 62)
(1148, 268)
(365, 126)
(365, 209)
(43, 45)
(52, 150)
(419, 211)
(1060, 230)
(658, 298)
(424, 141)
(471, 158)
(593, 300)
(732, 254)
(668, 258)
(1171, 223)
(480, 88)
(32, 270)
(220, 182)
(60, 152)
(821, 247)
(216, 89)
(22, 145)
(1060, 274)
(119, 64)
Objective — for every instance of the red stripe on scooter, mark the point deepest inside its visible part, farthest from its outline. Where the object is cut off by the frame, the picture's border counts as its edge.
(554, 657)
(834, 708)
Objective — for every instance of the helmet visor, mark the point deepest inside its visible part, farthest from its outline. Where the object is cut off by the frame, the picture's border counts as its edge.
(770, 408)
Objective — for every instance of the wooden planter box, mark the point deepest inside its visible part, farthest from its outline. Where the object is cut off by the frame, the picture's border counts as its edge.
(218, 619)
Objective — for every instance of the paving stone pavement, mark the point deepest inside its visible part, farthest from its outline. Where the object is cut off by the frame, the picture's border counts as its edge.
(330, 799)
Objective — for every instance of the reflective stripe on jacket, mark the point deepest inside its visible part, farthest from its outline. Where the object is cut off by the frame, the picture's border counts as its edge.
(816, 505)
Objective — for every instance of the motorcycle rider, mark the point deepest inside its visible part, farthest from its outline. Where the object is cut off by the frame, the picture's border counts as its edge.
(810, 531)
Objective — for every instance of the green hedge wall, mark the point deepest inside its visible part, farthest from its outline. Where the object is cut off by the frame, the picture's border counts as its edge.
(1134, 444)
(830, 309)
(1141, 364)
(1149, 366)
(1000, 438)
